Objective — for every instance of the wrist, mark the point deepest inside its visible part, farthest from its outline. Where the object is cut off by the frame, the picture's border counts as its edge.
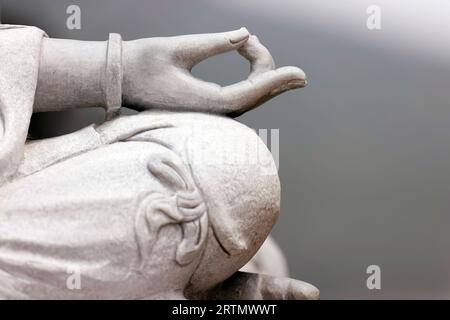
(133, 68)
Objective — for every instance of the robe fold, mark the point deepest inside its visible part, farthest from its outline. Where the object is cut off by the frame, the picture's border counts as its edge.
(19, 66)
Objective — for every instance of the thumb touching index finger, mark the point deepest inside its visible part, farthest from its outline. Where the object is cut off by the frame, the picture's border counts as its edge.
(259, 57)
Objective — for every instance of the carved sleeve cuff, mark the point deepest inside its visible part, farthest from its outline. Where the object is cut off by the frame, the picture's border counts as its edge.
(113, 77)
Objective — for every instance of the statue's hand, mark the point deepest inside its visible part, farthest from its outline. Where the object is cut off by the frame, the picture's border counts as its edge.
(157, 74)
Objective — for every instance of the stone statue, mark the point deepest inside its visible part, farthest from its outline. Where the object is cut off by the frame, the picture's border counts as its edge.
(169, 203)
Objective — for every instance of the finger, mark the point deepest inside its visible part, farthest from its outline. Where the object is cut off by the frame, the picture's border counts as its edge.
(191, 49)
(238, 98)
(246, 95)
(259, 57)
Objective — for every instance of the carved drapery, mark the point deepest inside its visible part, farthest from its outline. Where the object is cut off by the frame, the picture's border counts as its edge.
(183, 205)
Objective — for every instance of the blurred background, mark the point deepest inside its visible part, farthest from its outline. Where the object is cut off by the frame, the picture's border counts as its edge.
(364, 149)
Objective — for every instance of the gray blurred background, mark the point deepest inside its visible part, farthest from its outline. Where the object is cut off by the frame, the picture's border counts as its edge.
(364, 149)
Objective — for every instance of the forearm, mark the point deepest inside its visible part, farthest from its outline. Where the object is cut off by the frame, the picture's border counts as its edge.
(79, 74)
(70, 75)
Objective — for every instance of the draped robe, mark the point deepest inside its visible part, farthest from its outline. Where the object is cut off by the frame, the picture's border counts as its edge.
(19, 66)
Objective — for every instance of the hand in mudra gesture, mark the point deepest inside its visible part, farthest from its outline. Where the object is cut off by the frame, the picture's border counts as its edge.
(157, 74)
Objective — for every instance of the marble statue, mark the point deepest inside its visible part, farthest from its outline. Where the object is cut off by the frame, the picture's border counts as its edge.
(169, 203)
